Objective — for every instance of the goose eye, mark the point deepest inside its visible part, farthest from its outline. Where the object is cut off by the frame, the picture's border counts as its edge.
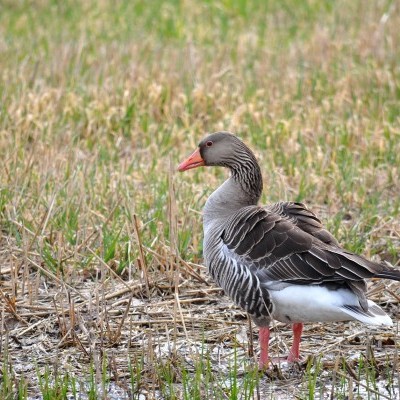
(209, 143)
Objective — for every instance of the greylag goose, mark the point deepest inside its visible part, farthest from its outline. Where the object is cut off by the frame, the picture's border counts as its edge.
(277, 261)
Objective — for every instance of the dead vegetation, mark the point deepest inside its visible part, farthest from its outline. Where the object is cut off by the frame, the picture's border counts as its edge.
(100, 254)
(170, 319)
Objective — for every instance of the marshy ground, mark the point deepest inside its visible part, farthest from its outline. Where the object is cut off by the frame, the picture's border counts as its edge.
(102, 291)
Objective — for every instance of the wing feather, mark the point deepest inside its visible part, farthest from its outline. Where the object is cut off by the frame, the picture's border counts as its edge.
(304, 218)
(282, 247)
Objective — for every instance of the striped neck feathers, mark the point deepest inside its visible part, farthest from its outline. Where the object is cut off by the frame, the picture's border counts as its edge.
(242, 189)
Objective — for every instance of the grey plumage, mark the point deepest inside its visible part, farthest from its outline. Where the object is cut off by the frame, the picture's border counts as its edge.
(255, 252)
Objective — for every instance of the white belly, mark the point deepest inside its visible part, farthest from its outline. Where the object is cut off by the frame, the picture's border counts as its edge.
(302, 303)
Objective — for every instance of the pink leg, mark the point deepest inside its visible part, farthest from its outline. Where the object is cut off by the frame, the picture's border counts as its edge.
(294, 354)
(264, 344)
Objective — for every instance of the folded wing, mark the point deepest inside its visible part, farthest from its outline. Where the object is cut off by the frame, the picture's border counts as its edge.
(288, 243)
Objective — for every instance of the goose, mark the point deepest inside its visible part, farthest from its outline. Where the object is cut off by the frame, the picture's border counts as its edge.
(278, 262)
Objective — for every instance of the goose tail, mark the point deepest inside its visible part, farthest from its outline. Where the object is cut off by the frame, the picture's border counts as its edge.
(388, 272)
(373, 316)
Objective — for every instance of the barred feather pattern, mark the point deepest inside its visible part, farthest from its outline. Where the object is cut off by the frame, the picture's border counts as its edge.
(237, 280)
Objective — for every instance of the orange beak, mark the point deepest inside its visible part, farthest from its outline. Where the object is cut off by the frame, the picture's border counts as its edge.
(193, 161)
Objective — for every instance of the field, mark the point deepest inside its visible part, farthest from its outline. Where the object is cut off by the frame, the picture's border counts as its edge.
(102, 290)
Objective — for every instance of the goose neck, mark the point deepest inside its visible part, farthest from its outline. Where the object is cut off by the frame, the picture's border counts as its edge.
(230, 197)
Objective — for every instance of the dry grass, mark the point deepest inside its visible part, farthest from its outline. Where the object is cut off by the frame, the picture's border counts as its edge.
(101, 241)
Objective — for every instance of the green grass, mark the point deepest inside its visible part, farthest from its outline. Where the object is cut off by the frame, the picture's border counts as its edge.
(178, 380)
(100, 100)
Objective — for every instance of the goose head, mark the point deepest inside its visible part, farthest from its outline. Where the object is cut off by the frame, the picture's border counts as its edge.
(218, 149)
(226, 150)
